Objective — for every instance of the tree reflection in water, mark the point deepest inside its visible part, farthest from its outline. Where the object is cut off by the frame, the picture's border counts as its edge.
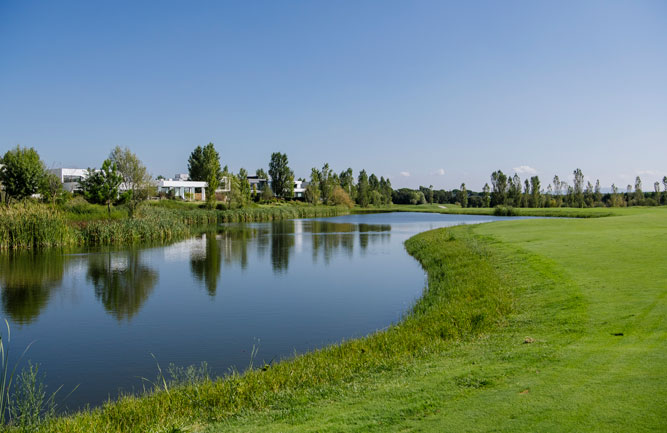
(121, 281)
(27, 280)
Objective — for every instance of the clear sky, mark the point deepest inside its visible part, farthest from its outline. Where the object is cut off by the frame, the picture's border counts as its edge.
(423, 92)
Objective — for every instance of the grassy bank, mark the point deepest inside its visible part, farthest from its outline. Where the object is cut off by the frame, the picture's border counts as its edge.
(534, 325)
(564, 212)
(34, 226)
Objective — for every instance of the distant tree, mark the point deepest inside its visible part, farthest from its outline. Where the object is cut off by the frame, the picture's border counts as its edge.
(514, 198)
(51, 188)
(588, 194)
(578, 188)
(639, 194)
(313, 189)
(525, 202)
(558, 191)
(282, 178)
(616, 199)
(211, 173)
(260, 173)
(137, 183)
(326, 182)
(267, 192)
(363, 189)
(22, 173)
(598, 192)
(159, 177)
(656, 187)
(244, 187)
(463, 195)
(499, 184)
(196, 165)
(535, 196)
(102, 186)
(339, 197)
(385, 190)
(664, 185)
(486, 200)
(346, 180)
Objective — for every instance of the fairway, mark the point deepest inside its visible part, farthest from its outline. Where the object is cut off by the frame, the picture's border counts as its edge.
(584, 348)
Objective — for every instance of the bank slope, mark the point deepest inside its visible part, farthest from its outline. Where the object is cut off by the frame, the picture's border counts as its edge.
(584, 348)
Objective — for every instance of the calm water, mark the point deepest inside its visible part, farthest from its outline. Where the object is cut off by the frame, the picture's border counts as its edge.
(96, 317)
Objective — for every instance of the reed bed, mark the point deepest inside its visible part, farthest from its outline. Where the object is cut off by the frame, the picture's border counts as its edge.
(31, 226)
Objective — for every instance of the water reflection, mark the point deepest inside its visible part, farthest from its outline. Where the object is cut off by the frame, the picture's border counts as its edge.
(121, 282)
(27, 280)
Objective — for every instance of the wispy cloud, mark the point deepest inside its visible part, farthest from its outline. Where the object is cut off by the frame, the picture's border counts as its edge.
(405, 173)
(439, 172)
(525, 169)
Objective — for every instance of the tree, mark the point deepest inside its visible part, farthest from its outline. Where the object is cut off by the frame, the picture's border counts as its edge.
(536, 197)
(137, 182)
(363, 189)
(339, 197)
(102, 186)
(514, 194)
(346, 180)
(639, 194)
(664, 184)
(558, 190)
(244, 187)
(616, 199)
(282, 178)
(385, 190)
(313, 188)
(22, 173)
(499, 183)
(211, 173)
(656, 187)
(525, 202)
(196, 165)
(51, 188)
(267, 193)
(260, 173)
(325, 181)
(463, 195)
(598, 192)
(486, 200)
(578, 188)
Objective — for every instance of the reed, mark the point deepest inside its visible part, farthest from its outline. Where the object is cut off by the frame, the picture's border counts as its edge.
(29, 226)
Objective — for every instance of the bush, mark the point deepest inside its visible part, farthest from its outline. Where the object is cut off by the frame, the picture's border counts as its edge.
(505, 211)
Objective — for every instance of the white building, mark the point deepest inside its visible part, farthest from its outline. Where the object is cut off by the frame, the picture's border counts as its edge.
(70, 177)
(189, 189)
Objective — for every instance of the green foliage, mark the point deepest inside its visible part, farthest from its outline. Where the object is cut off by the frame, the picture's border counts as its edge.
(31, 226)
(244, 187)
(363, 189)
(282, 178)
(52, 190)
(197, 164)
(505, 211)
(340, 198)
(463, 196)
(137, 182)
(102, 186)
(22, 173)
(499, 183)
(31, 406)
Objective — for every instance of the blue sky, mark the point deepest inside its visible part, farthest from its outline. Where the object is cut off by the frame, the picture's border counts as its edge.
(431, 93)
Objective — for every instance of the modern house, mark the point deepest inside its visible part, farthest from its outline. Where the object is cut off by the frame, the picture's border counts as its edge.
(300, 189)
(70, 177)
(186, 189)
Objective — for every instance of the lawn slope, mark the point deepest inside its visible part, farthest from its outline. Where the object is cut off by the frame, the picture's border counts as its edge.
(583, 349)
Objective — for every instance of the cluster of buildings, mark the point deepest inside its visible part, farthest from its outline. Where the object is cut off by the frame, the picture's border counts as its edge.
(180, 186)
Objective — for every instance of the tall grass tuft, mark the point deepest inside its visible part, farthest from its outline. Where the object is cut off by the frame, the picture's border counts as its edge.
(29, 226)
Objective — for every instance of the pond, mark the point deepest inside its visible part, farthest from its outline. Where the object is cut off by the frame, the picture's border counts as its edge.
(103, 319)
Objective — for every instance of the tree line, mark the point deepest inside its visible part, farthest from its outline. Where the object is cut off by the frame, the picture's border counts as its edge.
(512, 191)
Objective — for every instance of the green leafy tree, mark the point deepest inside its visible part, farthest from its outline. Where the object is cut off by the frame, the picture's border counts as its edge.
(385, 190)
(313, 188)
(578, 188)
(22, 173)
(267, 192)
(282, 178)
(558, 189)
(326, 182)
(598, 192)
(196, 165)
(102, 186)
(363, 189)
(499, 184)
(656, 187)
(486, 197)
(664, 187)
(535, 195)
(137, 182)
(514, 191)
(346, 180)
(525, 202)
(260, 173)
(244, 187)
(462, 195)
(639, 194)
(211, 173)
(51, 188)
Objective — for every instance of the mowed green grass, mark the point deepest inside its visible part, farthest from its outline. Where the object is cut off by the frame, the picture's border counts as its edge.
(557, 363)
